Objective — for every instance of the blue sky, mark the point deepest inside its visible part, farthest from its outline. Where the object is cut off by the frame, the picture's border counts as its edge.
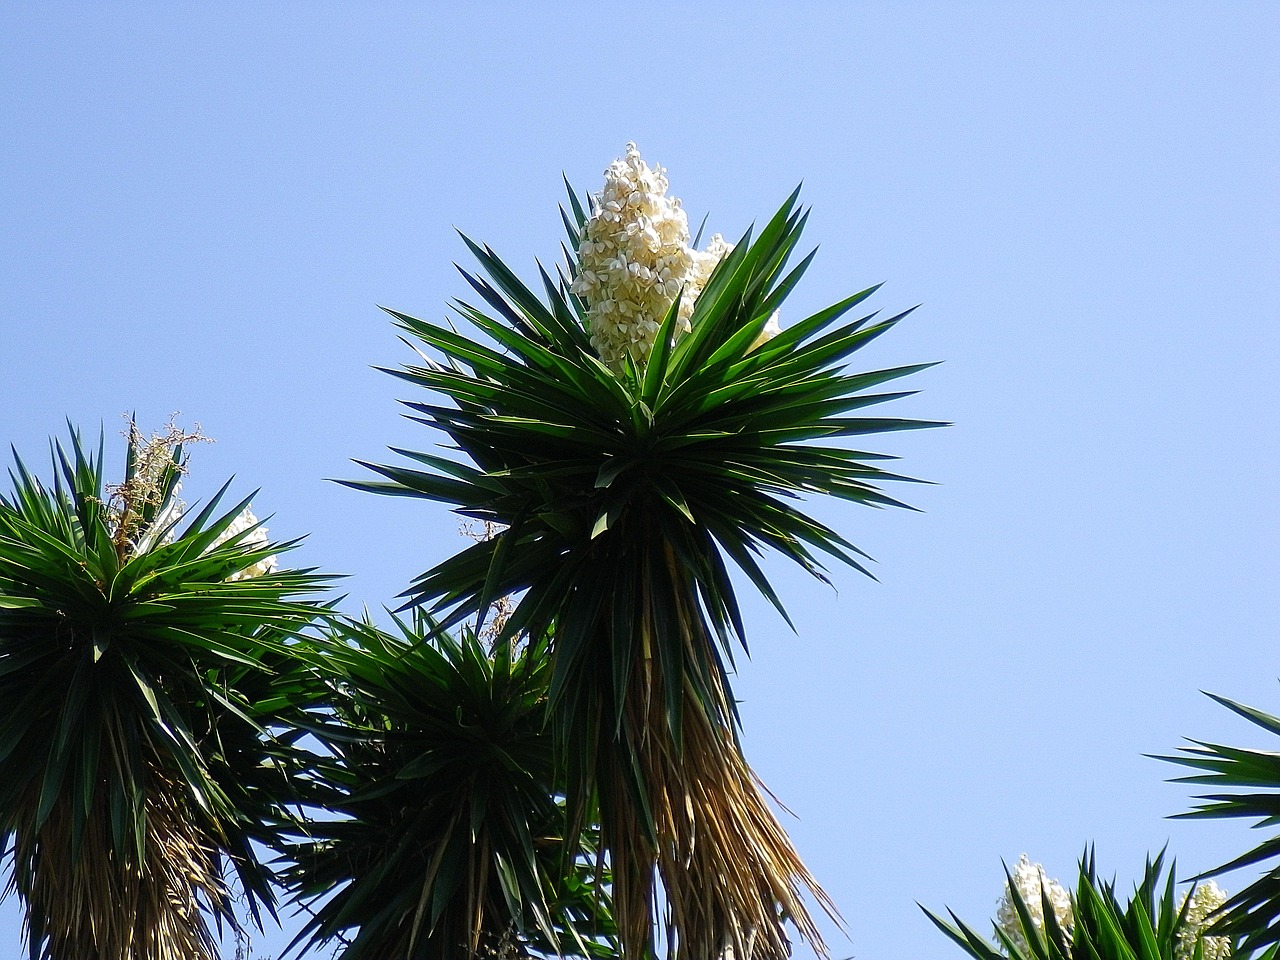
(204, 205)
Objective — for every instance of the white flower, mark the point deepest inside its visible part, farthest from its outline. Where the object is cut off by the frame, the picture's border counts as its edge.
(1205, 899)
(771, 330)
(707, 260)
(634, 259)
(1030, 879)
(255, 540)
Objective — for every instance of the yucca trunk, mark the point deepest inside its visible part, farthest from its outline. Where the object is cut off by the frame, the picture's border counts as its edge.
(93, 904)
(729, 873)
(679, 803)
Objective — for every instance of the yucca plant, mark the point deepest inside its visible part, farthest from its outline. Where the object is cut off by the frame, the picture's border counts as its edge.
(144, 657)
(1253, 777)
(627, 463)
(1039, 921)
(442, 835)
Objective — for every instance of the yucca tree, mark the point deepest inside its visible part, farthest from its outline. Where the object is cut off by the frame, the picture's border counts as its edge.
(145, 657)
(1253, 778)
(623, 491)
(1154, 924)
(442, 835)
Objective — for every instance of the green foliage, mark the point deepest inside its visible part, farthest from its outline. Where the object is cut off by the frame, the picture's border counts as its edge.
(139, 678)
(1151, 925)
(1254, 775)
(702, 449)
(442, 834)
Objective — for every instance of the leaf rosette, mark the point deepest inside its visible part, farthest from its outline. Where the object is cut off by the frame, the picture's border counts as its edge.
(443, 829)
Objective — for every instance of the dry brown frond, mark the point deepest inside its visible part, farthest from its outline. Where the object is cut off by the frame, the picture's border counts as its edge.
(96, 904)
(730, 874)
(732, 878)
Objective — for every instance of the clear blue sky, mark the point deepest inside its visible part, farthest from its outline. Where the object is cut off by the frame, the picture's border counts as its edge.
(203, 204)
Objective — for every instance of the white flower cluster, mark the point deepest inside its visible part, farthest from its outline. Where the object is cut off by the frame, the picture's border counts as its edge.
(254, 541)
(634, 259)
(1205, 899)
(1029, 879)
